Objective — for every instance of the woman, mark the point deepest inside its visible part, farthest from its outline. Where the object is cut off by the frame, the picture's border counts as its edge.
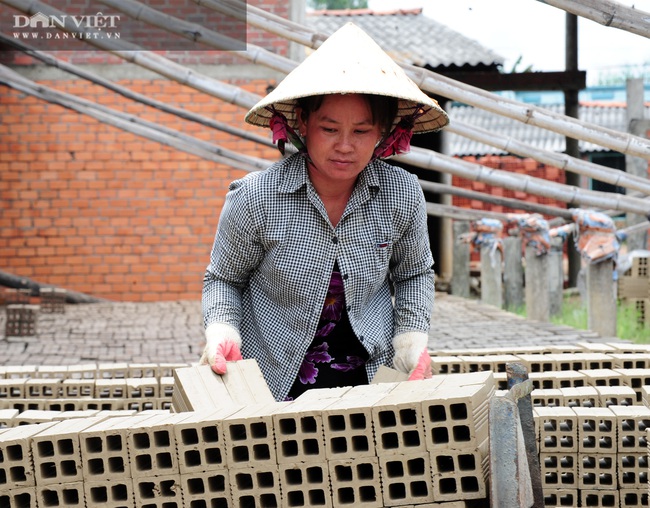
(308, 252)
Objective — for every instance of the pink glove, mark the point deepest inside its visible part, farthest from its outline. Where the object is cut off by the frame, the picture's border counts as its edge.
(423, 369)
(411, 355)
(222, 345)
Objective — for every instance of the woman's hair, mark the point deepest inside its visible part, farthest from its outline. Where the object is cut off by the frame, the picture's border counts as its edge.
(382, 108)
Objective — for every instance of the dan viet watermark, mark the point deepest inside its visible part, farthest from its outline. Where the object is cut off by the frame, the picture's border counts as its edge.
(67, 24)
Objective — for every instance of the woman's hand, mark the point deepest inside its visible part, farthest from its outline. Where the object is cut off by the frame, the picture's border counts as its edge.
(222, 345)
(411, 355)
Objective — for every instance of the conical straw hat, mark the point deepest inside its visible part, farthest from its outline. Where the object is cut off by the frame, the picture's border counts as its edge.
(349, 61)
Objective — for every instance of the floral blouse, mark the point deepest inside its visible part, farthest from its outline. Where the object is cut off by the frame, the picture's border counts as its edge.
(335, 357)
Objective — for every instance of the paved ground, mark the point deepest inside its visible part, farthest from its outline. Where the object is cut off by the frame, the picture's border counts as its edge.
(172, 332)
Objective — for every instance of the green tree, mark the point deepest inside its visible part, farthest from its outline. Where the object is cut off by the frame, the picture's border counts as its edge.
(331, 5)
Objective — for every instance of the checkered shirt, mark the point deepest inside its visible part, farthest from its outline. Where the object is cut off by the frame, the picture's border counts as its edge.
(275, 249)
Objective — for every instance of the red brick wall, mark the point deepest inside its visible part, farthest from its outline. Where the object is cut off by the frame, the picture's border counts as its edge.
(94, 209)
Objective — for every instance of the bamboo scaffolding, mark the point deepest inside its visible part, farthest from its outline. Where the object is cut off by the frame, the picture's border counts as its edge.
(446, 87)
(131, 123)
(492, 177)
(607, 13)
(129, 94)
(567, 194)
(458, 213)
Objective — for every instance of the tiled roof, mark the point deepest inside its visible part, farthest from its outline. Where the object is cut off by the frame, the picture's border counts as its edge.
(610, 115)
(410, 37)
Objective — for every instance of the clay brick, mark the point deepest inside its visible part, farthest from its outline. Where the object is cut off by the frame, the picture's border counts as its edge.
(632, 423)
(160, 491)
(306, 484)
(299, 430)
(17, 467)
(631, 360)
(67, 495)
(356, 482)
(557, 428)
(206, 489)
(257, 487)
(633, 497)
(559, 470)
(406, 479)
(24, 497)
(581, 396)
(597, 471)
(152, 446)
(632, 470)
(596, 430)
(561, 497)
(616, 396)
(114, 493)
(547, 397)
(602, 377)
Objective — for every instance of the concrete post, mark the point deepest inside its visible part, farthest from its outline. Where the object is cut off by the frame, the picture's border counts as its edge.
(537, 286)
(556, 277)
(601, 299)
(460, 268)
(513, 273)
(491, 276)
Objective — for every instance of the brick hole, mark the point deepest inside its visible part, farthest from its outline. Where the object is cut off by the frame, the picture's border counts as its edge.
(50, 498)
(448, 486)
(408, 417)
(116, 464)
(461, 433)
(415, 467)
(143, 463)
(164, 460)
(358, 421)
(566, 442)
(314, 475)
(365, 471)
(259, 430)
(48, 470)
(288, 426)
(566, 461)
(295, 498)
(310, 447)
(343, 473)
(336, 423)
(419, 489)
(268, 501)
(94, 445)
(605, 442)
(445, 463)
(96, 466)
(195, 486)
(289, 448)
(389, 441)
(161, 439)
(339, 445)
(395, 469)
(293, 476)
(360, 443)
(244, 481)
(99, 494)
(469, 484)
(24, 499)
(367, 494)
(119, 492)
(628, 442)
(411, 438)
(397, 491)
(213, 456)
(65, 446)
(238, 432)
(141, 441)
(627, 478)
(437, 413)
(3, 480)
(316, 497)
(387, 419)
(458, 411)
(439, 435)
(70, 497)
(566, 426)
(261, 452)
(210, 434)
(467, 462)
(247, 502)
(45, 449)
(265, 480)
(240, 454)
(17, 474)
(192, 458)
(345, 496)
(189, 436)
(308, 425)
(551, 478)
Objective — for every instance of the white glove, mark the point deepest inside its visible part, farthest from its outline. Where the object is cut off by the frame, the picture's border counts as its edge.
(222, 344)
(411, 355)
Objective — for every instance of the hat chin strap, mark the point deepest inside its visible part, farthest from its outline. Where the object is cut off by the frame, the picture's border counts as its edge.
(399, 140)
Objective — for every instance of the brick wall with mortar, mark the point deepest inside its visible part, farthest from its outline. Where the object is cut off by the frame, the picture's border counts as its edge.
(91, 208)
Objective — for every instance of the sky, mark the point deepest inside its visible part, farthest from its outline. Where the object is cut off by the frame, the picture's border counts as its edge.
(535, 32)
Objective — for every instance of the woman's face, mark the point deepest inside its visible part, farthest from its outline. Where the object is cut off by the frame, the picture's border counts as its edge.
(340, 137)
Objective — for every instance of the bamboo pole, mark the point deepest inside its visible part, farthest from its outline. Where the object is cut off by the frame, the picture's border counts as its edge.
(130, 123)
(129, 94)
(524, 183)
(607, 13)
(456, 212)
(467, 94)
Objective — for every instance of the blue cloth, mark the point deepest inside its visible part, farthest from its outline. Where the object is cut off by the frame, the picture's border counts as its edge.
(272, 259)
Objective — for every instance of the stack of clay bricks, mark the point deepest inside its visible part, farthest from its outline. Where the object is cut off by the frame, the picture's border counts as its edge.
(22, 316)
(416, 443)
(634, 287)
(41, 393)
